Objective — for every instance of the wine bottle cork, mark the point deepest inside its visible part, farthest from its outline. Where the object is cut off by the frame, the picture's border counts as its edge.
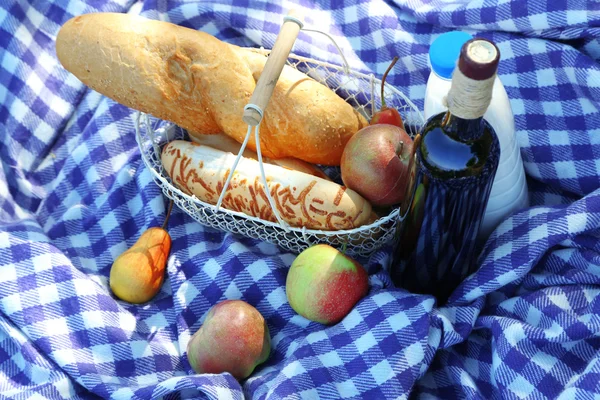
(472, 82)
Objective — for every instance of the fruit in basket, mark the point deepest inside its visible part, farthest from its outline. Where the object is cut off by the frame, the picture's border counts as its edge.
(324, 284)
(234, 338)
(387, 115)
(375, 164)
(137, 275)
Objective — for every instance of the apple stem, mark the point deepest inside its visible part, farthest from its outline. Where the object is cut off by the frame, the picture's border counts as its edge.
(399, 148)
(164, 225)
(344, 246)
(383, 105)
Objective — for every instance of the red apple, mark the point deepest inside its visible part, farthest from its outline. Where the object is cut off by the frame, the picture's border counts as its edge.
(234, 338)
(323, 284)
(387, 115)
(375, 163)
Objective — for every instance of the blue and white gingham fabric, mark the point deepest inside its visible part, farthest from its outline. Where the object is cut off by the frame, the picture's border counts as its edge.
(74, 194)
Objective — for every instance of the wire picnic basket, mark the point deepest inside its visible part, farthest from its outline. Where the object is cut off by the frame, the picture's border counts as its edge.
(358, 89)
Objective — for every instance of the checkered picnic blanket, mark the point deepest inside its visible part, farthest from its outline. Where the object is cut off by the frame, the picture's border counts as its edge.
(74, 194)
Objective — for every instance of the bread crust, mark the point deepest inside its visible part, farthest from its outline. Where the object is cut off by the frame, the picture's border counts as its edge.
(203, 84)
(225, 143)
(302, 200)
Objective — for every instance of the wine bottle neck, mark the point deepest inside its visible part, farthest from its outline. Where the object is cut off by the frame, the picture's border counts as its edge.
(469, 98)
(463, 128)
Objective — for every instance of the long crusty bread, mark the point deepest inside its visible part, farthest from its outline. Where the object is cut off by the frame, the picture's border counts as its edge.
(202, 84)
(301, 199)
(225, 143)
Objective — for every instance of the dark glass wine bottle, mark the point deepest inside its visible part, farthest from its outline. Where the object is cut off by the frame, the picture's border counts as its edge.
(453, 166)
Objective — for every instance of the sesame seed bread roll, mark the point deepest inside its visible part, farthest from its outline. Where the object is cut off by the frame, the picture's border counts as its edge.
(302, 200)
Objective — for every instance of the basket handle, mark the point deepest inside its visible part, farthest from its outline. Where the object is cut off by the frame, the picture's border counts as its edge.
(253, 112)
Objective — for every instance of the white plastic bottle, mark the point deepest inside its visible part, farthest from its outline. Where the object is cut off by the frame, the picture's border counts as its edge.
(509, 190)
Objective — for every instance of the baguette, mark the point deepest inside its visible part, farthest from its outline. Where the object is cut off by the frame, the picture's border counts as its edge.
(223, 142)
(203, 84)
(302, 200)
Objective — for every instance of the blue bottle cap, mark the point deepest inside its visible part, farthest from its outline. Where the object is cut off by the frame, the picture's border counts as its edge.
(444, 51)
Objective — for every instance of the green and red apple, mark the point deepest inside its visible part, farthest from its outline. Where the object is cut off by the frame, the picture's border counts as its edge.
(234, 338)
(324, 284)
(375, 163)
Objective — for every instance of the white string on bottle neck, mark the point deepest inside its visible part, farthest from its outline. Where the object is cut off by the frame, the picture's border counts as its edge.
(469, 98)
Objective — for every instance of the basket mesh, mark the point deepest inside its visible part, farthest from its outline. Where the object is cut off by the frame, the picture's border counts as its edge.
(359, 90)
